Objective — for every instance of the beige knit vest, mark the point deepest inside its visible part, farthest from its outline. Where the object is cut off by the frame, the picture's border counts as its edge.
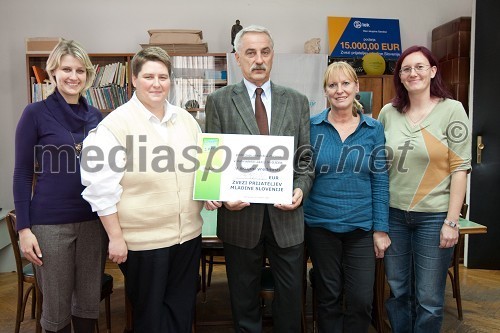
(156, 209)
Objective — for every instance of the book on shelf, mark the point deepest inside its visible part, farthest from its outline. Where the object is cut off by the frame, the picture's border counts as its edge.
(109, 89)
(100, 98)
(105, 75)
(40, 74)
(40, 91)
(126, 73)
(107, 97)
(114, 73)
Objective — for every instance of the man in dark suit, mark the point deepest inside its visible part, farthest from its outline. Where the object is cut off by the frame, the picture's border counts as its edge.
(251, 231)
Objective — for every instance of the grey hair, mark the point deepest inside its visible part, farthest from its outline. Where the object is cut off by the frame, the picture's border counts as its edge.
(251, 28)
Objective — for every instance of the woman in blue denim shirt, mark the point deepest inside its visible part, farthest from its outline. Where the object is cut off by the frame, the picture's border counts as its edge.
(346, 212)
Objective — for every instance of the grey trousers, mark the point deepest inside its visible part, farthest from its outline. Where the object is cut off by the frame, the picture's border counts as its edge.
(73, 257)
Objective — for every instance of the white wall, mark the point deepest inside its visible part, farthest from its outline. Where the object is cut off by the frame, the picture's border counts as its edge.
(121, 25)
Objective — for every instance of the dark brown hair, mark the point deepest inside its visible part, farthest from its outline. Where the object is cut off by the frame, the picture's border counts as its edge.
(438, 89)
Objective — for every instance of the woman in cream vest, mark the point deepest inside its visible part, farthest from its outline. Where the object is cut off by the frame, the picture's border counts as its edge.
(138, 168)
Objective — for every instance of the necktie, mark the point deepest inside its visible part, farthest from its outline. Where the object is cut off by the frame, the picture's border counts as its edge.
(260, 113)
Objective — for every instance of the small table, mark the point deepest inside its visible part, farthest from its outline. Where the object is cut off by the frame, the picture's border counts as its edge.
(466, 228)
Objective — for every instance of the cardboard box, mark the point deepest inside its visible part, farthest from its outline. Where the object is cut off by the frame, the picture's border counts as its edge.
(175, 36)
(41, 45)
(181, 48)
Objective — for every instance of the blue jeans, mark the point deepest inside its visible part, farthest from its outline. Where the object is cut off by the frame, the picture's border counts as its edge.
(416, 271)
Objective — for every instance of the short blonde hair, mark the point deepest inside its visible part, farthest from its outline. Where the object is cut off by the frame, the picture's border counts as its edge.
(347, 70)
(73, 48)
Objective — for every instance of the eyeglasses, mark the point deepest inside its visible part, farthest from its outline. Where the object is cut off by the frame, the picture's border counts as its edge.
(405, 71)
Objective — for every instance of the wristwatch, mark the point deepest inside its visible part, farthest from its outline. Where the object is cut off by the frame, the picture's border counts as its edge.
(451, 223)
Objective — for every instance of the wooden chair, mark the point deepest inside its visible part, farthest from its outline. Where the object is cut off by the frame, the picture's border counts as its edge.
(453, 270)
(209, 251)
(106, 291)
(24, 275)
(27, 275)
(266, 284)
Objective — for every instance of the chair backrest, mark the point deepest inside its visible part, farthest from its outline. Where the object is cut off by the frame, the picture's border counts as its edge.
(463, 211)
(14, 239)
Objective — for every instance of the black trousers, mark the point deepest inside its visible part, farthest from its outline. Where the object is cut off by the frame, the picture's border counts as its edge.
(344, 270)
(162, 285)
(243, 267)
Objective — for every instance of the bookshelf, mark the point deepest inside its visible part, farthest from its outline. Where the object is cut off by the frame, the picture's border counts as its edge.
(106, 94)
(201, 74)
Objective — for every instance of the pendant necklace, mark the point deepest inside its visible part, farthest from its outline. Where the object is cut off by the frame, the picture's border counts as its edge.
(78, 145)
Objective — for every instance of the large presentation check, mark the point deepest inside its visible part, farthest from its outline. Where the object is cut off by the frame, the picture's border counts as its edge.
(250, 168)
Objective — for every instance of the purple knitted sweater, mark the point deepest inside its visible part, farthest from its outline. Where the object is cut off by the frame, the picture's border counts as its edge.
(47, 133)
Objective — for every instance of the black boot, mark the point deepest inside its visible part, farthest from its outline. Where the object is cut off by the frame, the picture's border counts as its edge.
(66, 329)
(83, 325)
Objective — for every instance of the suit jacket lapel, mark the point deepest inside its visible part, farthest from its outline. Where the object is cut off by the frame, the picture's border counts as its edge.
(242, 102)
(279, 103)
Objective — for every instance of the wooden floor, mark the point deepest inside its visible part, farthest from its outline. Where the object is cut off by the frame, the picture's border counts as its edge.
(480, 299)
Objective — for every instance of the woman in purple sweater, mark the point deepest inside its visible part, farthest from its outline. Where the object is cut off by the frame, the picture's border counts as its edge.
(58, 232)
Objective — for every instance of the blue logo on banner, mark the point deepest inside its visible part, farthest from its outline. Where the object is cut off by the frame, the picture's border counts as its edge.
(366, 35)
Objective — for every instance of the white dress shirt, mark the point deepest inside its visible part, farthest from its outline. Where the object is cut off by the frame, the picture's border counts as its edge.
(103, 189)
(266, 97)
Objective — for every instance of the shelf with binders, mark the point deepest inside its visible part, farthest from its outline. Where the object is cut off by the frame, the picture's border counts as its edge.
(194, 77)
(111, 86)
